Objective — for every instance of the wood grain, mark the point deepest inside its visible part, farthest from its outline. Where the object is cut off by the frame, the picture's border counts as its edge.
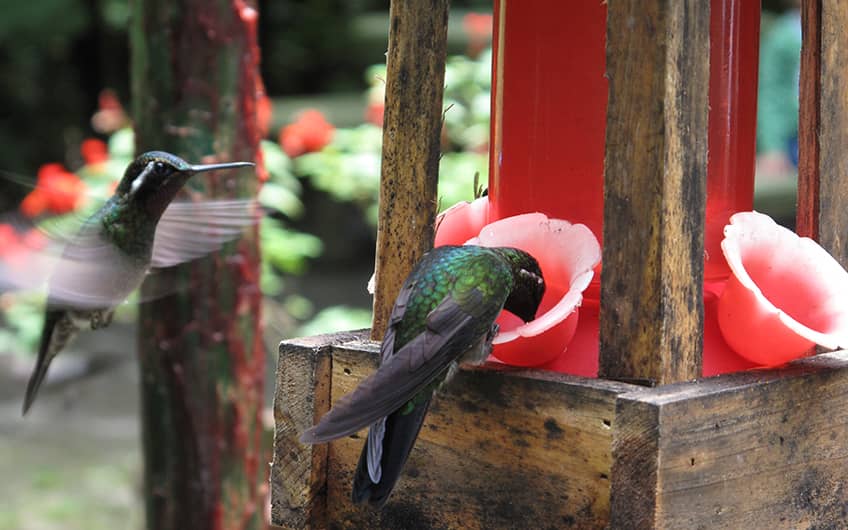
(809, 120)
(301, 396)
(654, 190)
(411, 132)
(832, 116)
(761, 449)
(498, 447)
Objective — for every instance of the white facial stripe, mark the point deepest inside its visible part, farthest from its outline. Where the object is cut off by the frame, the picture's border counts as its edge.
(139, 180)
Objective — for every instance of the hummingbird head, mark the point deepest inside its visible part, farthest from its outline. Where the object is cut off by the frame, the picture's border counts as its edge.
(528, 283)
(153, 179)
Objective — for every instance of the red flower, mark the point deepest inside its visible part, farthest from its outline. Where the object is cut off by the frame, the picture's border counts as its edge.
(8, 238)
(34, 203)
(94, 151)
(57, 190)
(309, 133)
(15, 246)
(478, 27)
(374, 113)
(110, 116)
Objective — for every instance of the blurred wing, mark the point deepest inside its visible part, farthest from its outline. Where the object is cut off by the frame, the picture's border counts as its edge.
(81, 270)
(189, 230)
(449, 330)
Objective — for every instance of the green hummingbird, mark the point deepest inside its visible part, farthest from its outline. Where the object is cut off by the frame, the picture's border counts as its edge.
(139, 227)
(443, 315)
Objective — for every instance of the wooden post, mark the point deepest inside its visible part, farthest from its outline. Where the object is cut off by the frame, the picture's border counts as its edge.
(807, 214)
(758, 449)
(823, 126)
(655, 175)
(195, 81)
(411, 133)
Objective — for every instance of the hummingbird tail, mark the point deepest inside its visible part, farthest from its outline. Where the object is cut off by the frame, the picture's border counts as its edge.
(401, 431)
(46, 351)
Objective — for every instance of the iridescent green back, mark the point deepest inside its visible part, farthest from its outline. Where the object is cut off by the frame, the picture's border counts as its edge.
(455, 271)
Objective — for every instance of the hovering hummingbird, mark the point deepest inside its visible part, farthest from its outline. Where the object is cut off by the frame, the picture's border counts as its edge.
(139, 227)
(444, 314)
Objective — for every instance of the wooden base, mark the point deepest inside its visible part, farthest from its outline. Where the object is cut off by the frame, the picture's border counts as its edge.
(503, 447)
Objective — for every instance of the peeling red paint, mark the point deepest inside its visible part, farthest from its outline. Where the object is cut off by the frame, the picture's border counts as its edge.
(203, 358)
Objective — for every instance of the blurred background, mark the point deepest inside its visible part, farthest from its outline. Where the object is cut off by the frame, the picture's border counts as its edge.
(74, 462)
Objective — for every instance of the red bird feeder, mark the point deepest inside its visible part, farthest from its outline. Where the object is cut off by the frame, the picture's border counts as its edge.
(548, 135)
(634, 118)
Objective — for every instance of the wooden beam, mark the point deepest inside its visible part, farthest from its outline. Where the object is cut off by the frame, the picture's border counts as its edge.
(411, 137)
(499, 445)
(809, 119)
(761, 449)
(823, 128)
(301, 397)
(654, 190)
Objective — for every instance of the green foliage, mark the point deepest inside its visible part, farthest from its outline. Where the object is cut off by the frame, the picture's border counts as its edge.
(348, 168)
(336, 318)
(21, 317)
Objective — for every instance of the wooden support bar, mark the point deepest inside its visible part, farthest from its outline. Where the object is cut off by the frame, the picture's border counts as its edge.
(302, 396)
(654, 190)
(823, 128)
(762, 449)
(411, 133)
(807, 214)
(499, 446)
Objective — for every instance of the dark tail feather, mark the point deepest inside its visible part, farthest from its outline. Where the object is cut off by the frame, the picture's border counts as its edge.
(400, 436)
(44, 358)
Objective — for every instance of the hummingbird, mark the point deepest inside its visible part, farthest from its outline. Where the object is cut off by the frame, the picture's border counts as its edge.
(136, 229)
(444, 314)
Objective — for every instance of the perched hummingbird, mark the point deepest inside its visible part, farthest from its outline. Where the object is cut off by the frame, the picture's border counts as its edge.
(139, 227)
(444, 314)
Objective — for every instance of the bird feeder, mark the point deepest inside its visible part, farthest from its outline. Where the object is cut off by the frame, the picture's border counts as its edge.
(635, 118)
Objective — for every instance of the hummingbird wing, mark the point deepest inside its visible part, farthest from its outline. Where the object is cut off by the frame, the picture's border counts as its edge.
(82, 270)
(450, 329)
(191, 229)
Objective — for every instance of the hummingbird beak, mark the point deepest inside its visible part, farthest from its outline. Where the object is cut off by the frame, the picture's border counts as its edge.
(212, 167)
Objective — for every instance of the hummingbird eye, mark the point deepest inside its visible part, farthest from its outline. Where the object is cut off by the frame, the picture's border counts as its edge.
(159, 167)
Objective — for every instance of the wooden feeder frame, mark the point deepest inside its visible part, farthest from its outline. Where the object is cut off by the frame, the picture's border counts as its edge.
(509, 448)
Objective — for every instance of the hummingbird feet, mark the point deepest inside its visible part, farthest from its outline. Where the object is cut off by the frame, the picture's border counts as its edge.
(487, 345)
(101, 319)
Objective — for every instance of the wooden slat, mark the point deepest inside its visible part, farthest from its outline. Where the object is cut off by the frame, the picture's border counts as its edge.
(411, 132)
(302, 395)
(823, 209)
(807, 213)
(655, 174)
(761, 449)
(496, 449)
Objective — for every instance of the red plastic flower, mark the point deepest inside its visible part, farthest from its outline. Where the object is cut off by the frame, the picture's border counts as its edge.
(94, 151)
(785, 294)
(57, 190)
(309, 133)
(567, 255)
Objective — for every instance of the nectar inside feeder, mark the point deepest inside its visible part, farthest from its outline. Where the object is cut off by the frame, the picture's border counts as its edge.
(567, 255)
(785, 295)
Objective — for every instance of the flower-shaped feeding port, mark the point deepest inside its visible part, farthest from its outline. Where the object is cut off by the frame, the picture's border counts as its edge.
(567, 254)
(785, 294)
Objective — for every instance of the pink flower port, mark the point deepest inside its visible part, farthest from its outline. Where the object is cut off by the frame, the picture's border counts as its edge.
(567, 254)
(785, 293)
